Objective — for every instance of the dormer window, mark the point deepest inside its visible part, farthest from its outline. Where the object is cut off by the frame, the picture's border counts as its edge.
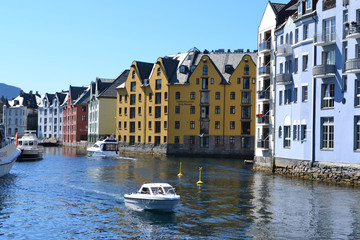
(205, 70)
(192, 69)
(228, 68)
(158, 71)
(246, 70)
(183, 69)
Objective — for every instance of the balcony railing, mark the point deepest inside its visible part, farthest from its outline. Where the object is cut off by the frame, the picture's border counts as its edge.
(352, 65)
(284, 50)
(324, 39)
(324, 71)
(263, 118)
(263, 143)
(265, 70)
(265, 46)
(284, 78)
(264, 95)
(353, 31)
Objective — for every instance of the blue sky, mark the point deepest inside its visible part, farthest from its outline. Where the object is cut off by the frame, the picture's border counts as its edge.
(48, 45)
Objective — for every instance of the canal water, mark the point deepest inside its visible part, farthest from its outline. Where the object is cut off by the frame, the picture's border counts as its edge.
(68, 195)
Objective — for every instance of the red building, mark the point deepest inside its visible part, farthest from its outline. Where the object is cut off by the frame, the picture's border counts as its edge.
(75, 115)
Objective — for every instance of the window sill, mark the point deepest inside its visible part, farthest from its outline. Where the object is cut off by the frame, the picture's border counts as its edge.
(327, 108)
(327, 150)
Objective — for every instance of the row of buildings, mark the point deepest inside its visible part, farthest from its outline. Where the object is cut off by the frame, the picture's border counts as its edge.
(297, 98)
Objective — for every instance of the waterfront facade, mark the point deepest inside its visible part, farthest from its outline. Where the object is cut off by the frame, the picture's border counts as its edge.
(75, 115)
(215, 91)
(50, 116)
(20, 114)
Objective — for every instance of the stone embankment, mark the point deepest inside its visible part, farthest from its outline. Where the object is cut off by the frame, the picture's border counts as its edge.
(317, 171)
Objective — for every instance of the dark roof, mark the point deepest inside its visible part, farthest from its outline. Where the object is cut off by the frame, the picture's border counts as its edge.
(144, 69)
(103, 84)
(75, 92)
(84, 98)
(170, 66)
(286, 12)
(277, 6)
(50, 97)
(61, 97)
(111, 90)
(29, 99)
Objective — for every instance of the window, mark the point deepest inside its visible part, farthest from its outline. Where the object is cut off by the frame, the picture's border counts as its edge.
(182, 69)
(132, 112)
(308, 4)
(192, 95)
(139, 110)
(165, 95)
(217, 140)
(232, 95)
(246, 70)
(328, 94)
(295, 95)
(304, 93)
(165, 125)
(280, 132)
(205, 70)
(165, 109)
(192, 109)
(296, 67)
(305, 31)
(246, 142)
(133, 87)
(246, 82)
(150, 97)
(158, 112)
(192, 125)
(232, 125)
(217, 109)
(139, 125)
(159, 71)
(357, 133)
(139, 97)
(149, 139)
(204, 98)
(205, 83)
(217, 95)
(232, 109)
(83, 117)
(280, 97)
(287, 96)
(157, 127)
(217, 125)
(329, 30)
(246, 97)
(303, 132)
(132, 99)
(150, 110)
(245, 112)
(305, 61)
(139, 138)
(329, 57)
(177, 109)
(327, 128)
(158, 98)
(295, 135)
(212, 81)
(232, 140)
(287, 137)
(357, 92)
(192, 140)
(132, 127)
(204, 142)
(150, 125)
(245, 127)
(133, 74)
(197, 81)
(158, 84)
(177, 124)
(296, 35)
(204, 112)
(177, 95)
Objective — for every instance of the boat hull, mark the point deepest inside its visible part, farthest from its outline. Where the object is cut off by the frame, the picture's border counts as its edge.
(8, 156)
(165, 204)
(92, 153)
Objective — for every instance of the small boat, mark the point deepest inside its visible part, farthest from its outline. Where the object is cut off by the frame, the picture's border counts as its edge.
(28, 145)
(49, 142)
(153, 196)
(104, 148)
(8, 153)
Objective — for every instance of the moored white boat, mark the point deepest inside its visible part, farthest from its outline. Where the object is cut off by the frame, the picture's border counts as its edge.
(153, 196)
(28, 145)
(8, 153)
(103, 148)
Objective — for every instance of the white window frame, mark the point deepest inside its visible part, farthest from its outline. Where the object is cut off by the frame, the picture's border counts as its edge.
(327, 133)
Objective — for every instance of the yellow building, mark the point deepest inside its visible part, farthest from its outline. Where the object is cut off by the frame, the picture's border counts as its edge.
(190, 103)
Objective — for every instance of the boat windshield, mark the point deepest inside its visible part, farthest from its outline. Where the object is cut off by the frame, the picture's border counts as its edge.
(157, 190)
(95, 146)
(110, 147)
(169, 190)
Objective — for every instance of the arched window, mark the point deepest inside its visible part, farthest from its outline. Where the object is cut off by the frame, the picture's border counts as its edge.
(291, 38)
(246, 69)
(158, 71)
(287, 38)
(205, 70)
(280, 132)
(133, 74)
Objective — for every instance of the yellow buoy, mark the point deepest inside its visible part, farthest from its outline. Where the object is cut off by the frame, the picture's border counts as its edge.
(180, 174)
(200, 182)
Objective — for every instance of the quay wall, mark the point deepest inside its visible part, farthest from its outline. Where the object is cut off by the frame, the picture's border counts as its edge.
(318, 171)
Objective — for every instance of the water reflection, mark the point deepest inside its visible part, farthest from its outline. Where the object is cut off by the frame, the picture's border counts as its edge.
(69, 195)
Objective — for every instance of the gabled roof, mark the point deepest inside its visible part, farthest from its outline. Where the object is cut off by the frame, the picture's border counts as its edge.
(170, 66)
(286, 12)
(29, 100)
(277, 7)
(84, 98)
(144, 69)
(61, 97)
(111, 90)
(102, 84)
(75, 92)
(50, 97)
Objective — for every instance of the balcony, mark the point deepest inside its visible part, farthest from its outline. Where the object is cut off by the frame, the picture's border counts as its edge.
(284, 78)
(324, 39)
(352, 65)
(264, 71)
(264, 95)
(263, 143)
(353, 31)
(324, 71)
(284, 50)
(263, 119)
(265, 47)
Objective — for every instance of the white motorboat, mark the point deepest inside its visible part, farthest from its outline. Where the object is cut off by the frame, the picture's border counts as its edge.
(104, 147)
(28, 145)
(153, 196)
(8, 153)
